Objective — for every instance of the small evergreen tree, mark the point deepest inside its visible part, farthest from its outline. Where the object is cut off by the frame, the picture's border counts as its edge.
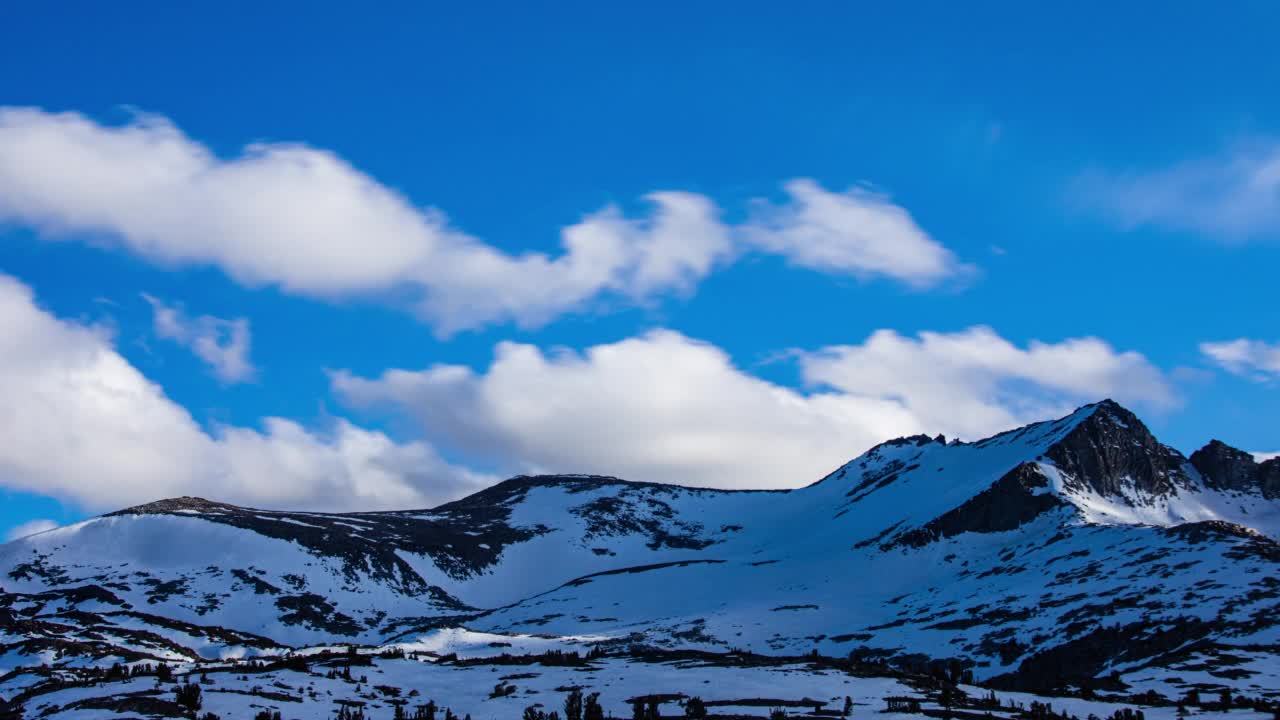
(188, 696)
(695, 709)
(591, 709)
(573, 705)
(848, 706)
(950, 696)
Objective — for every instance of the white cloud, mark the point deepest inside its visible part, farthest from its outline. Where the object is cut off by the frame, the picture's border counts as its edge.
(1265, 456)
(306, 221)
(974, 382)
(663, 407)
(280, 213)
(31, 527)
(659, 407)
(857, 232)
(668, 251)
(1253, 359)
(82, 424)
(1234, 195)
(222, 344)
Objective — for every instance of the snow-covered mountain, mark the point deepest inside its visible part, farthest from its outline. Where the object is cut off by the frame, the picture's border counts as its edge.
(1078, 552)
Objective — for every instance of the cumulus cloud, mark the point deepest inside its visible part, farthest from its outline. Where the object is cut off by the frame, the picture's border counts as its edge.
(82, 424)
(658, 407)
(222, 344)
(1252, 359)
(857, 232)
(664, 407)
(668, 251)
(306, 221)
(1234, 195)
(974, 382)
(31, 527)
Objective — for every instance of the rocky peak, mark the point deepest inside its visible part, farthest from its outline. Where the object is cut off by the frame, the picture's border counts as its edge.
(1269, 478)
(908, 441)
(1110, 452)
(177, 505)
(1224, 467)
(1227, 468)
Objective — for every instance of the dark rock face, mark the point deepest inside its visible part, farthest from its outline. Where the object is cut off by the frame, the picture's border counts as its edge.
(1008, 504)
(183, 504)
(1225, 467)
(1113, 454)
(1269, 478)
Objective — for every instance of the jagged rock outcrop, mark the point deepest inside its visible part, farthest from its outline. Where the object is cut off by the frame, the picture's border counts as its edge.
(1269, 478)
(1014, 500)
(1226, 468)
(1113, 454)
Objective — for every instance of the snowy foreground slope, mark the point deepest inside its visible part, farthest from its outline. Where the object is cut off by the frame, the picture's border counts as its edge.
(1073, 556)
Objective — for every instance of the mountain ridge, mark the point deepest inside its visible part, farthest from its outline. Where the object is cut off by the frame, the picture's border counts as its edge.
(1008, 555)
(1161, 474)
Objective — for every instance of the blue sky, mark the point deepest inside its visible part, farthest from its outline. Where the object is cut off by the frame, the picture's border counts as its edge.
(1000, 212)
